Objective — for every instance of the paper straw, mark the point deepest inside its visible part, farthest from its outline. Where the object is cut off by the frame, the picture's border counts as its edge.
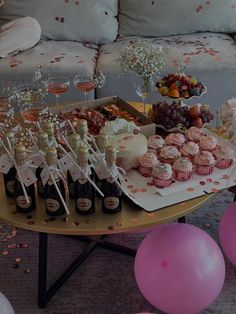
(71, 126)
(87, 177)
(39, 126)
(18, 172)
(59, 193)
(53, 179)
(10, 147)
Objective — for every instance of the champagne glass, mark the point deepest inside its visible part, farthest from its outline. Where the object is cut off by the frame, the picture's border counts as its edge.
(88, 82)
(58, 85)
(143, 87)
(29, 96)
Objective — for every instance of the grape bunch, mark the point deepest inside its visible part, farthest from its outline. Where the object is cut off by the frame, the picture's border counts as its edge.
(174, 115)
(206, 115)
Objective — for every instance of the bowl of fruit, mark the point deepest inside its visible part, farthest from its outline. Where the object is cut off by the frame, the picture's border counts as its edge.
(176, 117)
(180, 86)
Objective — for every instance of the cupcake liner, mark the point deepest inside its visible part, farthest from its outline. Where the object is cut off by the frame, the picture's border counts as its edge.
(145, 171)
(224, 163)
(204, 170)
(159, 183)
(182, 175)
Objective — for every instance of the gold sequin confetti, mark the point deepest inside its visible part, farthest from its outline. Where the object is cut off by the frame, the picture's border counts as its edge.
(5, 253)
(27, 271)
(18, 259)
(120, 223)
(190, 189)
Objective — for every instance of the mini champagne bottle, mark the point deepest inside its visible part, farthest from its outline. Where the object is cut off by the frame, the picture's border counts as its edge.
(9, 178)
(112, 200)
(49, 128)
(42, 145)
(74, 140)
(82, 129)
(21, 204)
(84, 191)
(54, 205)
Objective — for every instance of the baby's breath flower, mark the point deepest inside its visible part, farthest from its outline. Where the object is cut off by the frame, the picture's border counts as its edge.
(142, 58)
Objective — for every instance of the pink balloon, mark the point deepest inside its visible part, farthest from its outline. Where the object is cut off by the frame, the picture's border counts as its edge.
(179, 269)
(227, 233)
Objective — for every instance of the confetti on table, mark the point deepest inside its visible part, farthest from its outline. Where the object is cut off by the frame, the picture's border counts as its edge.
(120, 223)
(75, 223)
(134, 220)
(207, 225)
(190, 189)
(18, 259)
(111, 227)
(5, 253)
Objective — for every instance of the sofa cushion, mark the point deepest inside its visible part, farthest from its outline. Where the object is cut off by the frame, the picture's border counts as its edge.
(210, 57)
(198, 52)
(163, 18)
(55, 57)
(83, 20)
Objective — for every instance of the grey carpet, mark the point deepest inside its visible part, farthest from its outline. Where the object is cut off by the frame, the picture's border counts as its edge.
(105, 283)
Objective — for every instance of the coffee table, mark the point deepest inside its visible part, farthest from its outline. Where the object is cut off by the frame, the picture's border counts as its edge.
(91, 229)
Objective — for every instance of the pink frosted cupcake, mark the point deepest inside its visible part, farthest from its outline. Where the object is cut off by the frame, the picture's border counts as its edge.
(193, 134)
(224, 156)
(175, 139)
(190, 150)
(169, 154)
(146, 164)
(182, 169)
(208, 143)
(162, 175)
(155, 143)
(204, 163)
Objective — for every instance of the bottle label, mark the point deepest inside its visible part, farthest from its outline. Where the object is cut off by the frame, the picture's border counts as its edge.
(27, 175)
(10, 186)
(83, 204)
(22, 203)
(36, 160)
(64, 163)
(111, 202)
(5, 163)
(52, 205)
(40, 187)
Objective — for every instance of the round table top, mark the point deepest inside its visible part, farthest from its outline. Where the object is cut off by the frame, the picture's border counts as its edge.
(129, 219)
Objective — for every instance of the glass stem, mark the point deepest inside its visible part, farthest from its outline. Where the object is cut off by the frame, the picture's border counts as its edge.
(85, 96)
(57, 99)
(144, 106)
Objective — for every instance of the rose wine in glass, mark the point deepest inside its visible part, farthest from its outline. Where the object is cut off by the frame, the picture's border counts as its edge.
(88, 82)
(58, 86)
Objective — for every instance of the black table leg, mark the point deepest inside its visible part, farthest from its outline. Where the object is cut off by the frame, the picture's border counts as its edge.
(44, 294)
(182, 220)
(42, 270)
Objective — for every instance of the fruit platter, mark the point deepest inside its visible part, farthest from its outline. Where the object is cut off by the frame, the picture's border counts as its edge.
(180, 86)
(178, 117)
